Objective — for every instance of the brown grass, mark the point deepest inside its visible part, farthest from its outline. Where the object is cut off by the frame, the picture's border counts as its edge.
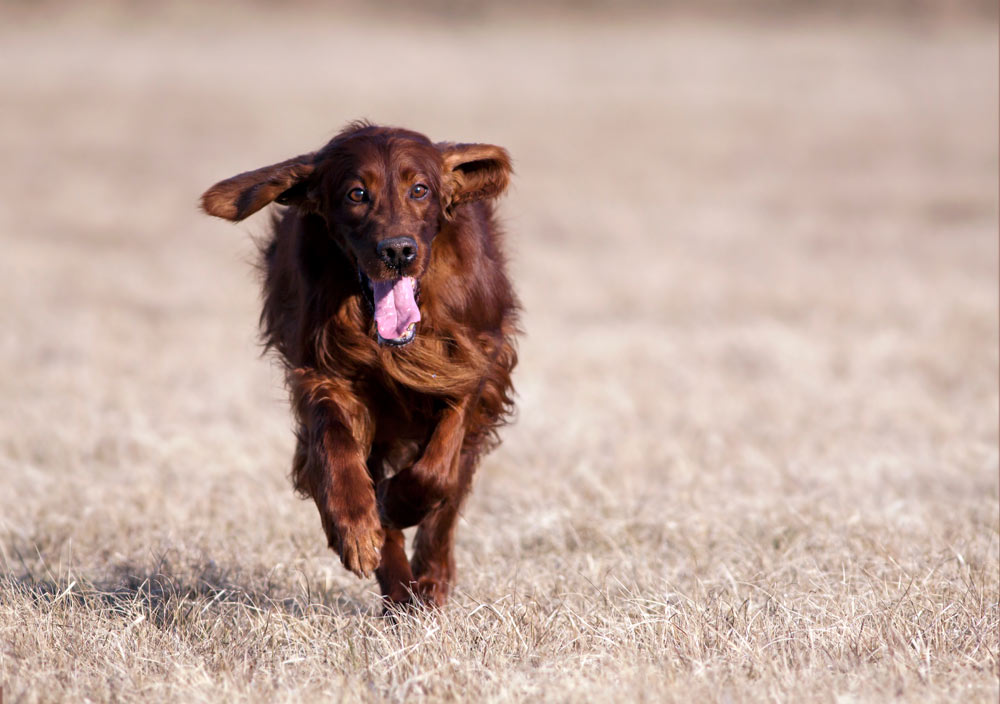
(756, 457)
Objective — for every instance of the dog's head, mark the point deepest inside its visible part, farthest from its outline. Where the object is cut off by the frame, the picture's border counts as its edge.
(384, 193)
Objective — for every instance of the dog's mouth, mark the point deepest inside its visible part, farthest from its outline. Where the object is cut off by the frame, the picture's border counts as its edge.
(395, 309)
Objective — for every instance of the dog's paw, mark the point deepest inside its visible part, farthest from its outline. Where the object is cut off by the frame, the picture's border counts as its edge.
(359, 545)
(432, 591)
(404, 501)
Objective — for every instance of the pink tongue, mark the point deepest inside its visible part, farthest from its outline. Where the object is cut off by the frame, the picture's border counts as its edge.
(395, 308)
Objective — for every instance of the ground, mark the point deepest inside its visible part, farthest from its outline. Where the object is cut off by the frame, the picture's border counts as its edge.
(756, 451)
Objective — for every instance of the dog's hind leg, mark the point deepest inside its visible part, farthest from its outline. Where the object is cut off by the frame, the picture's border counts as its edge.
(433, 560)
(394, 576)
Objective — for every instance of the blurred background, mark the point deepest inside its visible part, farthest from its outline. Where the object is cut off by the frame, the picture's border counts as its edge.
(756, 243)
(758, 233)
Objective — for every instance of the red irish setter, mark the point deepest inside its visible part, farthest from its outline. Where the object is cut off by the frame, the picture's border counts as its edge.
(387, 298)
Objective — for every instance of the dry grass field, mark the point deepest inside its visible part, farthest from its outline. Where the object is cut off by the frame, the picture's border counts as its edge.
(756, 451)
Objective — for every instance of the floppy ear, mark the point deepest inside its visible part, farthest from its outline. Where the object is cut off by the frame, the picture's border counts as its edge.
(473, 172)
(244, 194)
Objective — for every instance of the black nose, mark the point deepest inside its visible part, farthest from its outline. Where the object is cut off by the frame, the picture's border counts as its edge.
(397, 252)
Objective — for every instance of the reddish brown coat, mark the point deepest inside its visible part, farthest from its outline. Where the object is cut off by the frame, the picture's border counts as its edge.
(388, 436)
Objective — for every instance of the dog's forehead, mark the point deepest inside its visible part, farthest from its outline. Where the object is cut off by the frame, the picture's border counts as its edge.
(393, 151)
(413, 155)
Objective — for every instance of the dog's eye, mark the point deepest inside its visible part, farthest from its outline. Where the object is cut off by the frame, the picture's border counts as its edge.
(418, 191)
(357, 195)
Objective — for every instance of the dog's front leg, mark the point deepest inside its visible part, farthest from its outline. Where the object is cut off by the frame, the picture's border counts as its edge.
(330, 467)
(406, 498)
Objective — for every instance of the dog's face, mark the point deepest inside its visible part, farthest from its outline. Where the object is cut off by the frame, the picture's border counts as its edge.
(384, 193)
(380, 197)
